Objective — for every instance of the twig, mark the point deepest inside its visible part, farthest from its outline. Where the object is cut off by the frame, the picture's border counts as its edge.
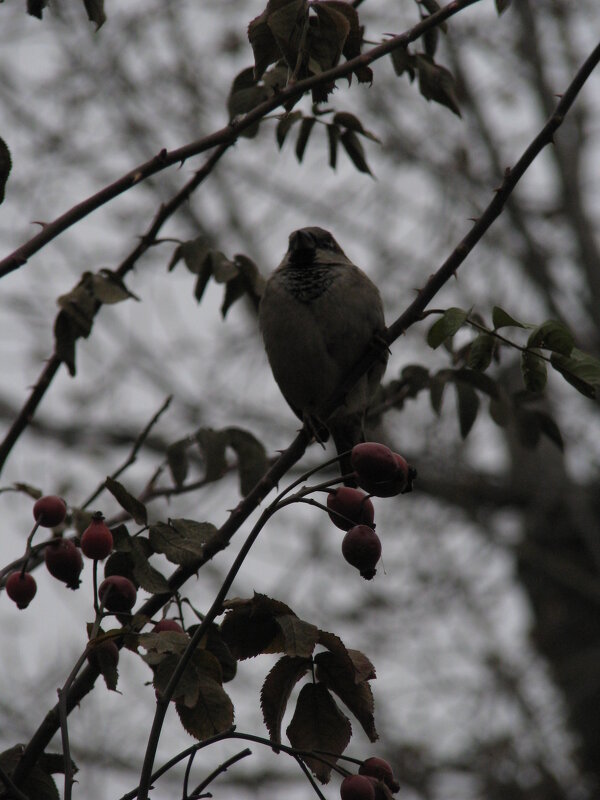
(311, 780)
(216, 772)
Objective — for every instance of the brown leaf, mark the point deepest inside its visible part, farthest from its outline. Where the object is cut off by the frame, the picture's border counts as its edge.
(276, 691)
(212, 713)
(357, 696)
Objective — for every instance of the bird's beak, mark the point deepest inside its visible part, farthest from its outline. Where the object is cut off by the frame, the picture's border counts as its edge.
(301, 242)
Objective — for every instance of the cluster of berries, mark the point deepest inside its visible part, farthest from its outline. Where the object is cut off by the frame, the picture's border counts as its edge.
(375, 780)
(381, 473)
(64, 560)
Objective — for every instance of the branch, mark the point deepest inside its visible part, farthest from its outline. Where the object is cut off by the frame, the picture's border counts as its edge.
(224, 138)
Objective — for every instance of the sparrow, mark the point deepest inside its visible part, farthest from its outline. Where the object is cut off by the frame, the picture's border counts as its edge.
(318, 315)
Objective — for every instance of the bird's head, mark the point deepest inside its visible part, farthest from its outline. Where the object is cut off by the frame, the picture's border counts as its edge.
(310, 245)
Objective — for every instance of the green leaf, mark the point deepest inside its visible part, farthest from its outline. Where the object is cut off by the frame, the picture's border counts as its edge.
(95, 12)
(446, 326)
(533, 369)
(263, 44)
(580, 370)
(181, 540)
(213, 444)
(403, 61)
(352, 145)
(178, 461)
(552, 335)
(352, 123)
(5, 166)
(127, 501)
(302, 140)
(478, 380)
(481, 350)
(437, 385)
(468, 406)
(107, 287)
(550, 429)
(500, 411)
(502, 319)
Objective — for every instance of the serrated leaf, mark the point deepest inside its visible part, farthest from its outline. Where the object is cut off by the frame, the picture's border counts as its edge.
(299, 637)
(276, 691)
(252, 457)
(468, 406)
(363, 666)
(250, 627)
(38, 784)
(352, 145)
(131, 504)
(95, 12)
(303, 134)
(502, 319)
(579, 369)
(481, 350)
(446, 326)
(318, 724)
(437, 83)
(105, 661)
(212, 714)
(533, 369)
(552, 335)
(182, 540)
(336, 646)
(213, 642)
(5, 167)
(356, 696)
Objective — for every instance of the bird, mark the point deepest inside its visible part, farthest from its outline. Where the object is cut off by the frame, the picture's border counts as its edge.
(318, 315)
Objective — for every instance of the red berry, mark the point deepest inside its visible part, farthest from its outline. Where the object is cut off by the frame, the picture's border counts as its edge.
(380, 769)
(64, 562)
(117, 593)
(357, 787)
(361, 547)
(167, 625)
(49, 511)
(373, 461)
(96, 540)
(21, 588)
(352, 504)
(105, 654)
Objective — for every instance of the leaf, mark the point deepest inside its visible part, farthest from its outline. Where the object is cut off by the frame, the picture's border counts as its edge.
(468, 406)
(403, 61)
(303, 134)
(527, 427)
(213, 444)
(437, 83)
(437, 384)
(178, 461)
(357, 696)
(181, 540)
(95, 12)
(201, 665)
(131, 504)
(318, 724)
(481, 350)
(533, 369)
(213, 642)
(212, 713)
(299, 637)
(250, 627)
(284, 126)
(352, 145)
(36, 7)
(478, 380)
(335, 645)
(352, 123)
(38, 784)
(446, 326)
(502, 319)
(500, 411)
(363, 667)
(276, 691)
(333, 138)
(552, 335)
(550, 429)
(580, 370)
(107, 287)
(5, 167)
(252, 457)
(263, 44)
(193, 253)
(147, 576)
(106, 664)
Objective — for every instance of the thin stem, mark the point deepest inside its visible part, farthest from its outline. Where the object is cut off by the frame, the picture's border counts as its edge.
(220, 769)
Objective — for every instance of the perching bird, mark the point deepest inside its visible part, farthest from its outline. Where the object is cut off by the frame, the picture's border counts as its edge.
(318, 315)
